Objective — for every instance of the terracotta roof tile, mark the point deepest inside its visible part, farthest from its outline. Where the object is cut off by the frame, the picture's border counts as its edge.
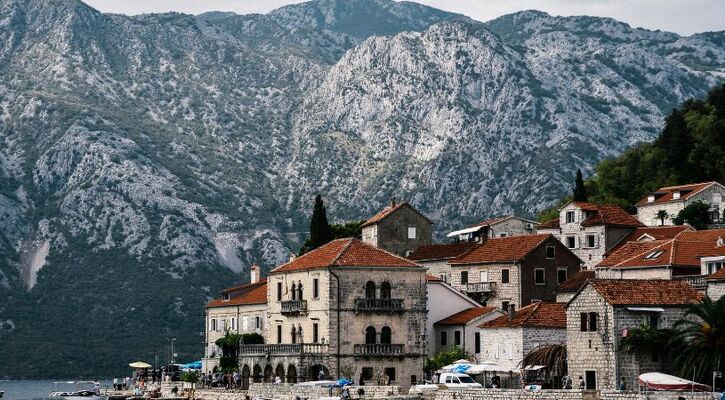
(431, 278)
(551, 224)
(631, 250)
(653, 232)
(254, 293)
(507, 249)
(576, 281)
(611, 215)
(665, 194)
(389, 210)
(539, 315)
(345, 253)
(719, 275)
(465, 316)
(440, 251)
(634, 292)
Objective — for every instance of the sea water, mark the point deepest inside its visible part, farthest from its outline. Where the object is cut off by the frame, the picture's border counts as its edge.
(35, 390)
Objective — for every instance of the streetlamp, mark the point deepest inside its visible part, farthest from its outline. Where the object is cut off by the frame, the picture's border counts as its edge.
(172, 350)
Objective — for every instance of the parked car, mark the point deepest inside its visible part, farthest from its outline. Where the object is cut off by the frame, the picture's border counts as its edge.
(422, 388)
(457, 380)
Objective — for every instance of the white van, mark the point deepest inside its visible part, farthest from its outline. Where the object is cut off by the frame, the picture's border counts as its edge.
(457, 380)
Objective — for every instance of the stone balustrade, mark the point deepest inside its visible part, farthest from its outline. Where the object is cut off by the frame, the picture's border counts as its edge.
(379, 305)
(282, 349)
(379, 350)
(294, 306)
(480, 287)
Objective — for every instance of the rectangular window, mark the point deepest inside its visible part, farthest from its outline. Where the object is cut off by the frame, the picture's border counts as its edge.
(316, 288)
(245, 324)
(279, 333)
(550, 252)
(444, 339)
(510, 350)
(367, 373)
(411, 232)
(571, 242)
(584, 322)
(570, 217)
(477, 344)
(539, 278)
(561, 275)
(591, 380)
(503, 234)
(279, 291)
(504, 276)
(464, 277)
(588, 322)
(257, 323)
(505, 306)
(457, 338)
(654, 320)
(390, 372)
(212, 323)
(315, 333)
(591, 241)
(592, 322)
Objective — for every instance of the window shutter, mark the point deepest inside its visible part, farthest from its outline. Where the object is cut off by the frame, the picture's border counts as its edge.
(583, 322)
(593, 322)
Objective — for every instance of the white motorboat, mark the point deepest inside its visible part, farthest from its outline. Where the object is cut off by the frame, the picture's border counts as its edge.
(76, 390)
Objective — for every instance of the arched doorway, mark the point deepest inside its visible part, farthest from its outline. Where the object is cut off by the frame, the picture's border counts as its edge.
(370, 335)
(385, 291)
(279, 372)
(386, 335)
(292, 374)
(370, 290)
(257, 376)
(315, 373)
(268, 375)
(245, 377)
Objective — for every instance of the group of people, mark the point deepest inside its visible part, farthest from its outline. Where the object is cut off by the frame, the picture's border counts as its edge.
(218, 379)
(122, 384)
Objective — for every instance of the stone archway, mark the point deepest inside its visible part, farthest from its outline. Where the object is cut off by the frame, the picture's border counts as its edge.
(279, 372)
(268, 374)
(292, 374)
(314, 372)
(257, 375)
(245, 377)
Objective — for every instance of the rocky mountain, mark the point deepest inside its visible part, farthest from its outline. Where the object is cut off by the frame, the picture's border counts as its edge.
(147, 161)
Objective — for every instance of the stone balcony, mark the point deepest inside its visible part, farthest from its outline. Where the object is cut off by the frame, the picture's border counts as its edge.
(480, 287)
(295, 349)
(294, 307)
(379, 350)
(379, 305)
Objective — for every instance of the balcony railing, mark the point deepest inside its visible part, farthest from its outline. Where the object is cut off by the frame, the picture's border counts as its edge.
(379, 350)
(282, 349)
(294, 306)
(480, 287)
(379, 305)
(697, 282)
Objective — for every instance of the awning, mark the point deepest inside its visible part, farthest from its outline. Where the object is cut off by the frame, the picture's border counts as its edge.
(464, 231)
(659, 381)
(139, 365)
(646, 309)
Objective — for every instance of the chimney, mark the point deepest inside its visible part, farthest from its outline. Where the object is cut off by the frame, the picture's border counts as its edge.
(512, 312)
(292, 257)
(392, 202)
(254, 273)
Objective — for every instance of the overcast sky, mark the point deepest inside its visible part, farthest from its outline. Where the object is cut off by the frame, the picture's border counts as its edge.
(681, 16)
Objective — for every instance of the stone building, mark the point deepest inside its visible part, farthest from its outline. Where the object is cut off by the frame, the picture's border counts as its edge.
(590, 230)
(508, 225)
(716, 284)
(461, 329)
(604, 311)
(566, 290)
(344, 309)
(240, 309)
(507, 339)
(673, 199)
(513, 270)
(650, 233)
(443, 301)
(399, 229)
(434, 257)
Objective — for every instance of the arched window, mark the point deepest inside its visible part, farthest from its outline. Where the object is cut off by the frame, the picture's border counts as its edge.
(386, 335)
(301, 339)
(385, 290)
(294, 334)
(370, 290)
(370, 335)
(299, 291)
(294, 291)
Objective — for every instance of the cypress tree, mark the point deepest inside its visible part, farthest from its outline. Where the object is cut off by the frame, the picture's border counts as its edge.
(580, 193)
(320, 231)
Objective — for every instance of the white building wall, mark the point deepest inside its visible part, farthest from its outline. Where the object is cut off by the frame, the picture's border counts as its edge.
(443, 301)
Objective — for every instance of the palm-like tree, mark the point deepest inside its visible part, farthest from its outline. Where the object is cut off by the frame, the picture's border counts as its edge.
(662, 214)
(700, 339)
(551, 356)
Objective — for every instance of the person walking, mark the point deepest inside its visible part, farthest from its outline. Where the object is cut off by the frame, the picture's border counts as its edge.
(582, 385)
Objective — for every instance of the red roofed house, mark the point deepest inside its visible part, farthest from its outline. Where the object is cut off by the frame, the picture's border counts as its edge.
(516, 270)
(398, 228)
(590, 230)
(461, 329)
(567, 289)
(345, 305)
(604, 311)
(712, 262)
(508, 225)
(507, 339)
(434, 257)
(674, 198)
(240, 309)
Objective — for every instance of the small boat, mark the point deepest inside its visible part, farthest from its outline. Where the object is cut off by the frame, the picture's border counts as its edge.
(80, 390)
(1, 394)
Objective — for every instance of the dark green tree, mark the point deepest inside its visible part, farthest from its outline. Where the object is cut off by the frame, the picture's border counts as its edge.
(580, 192)
(345, 230)
(696, 215)
(699, 341)
(320, 231)
(662, 215)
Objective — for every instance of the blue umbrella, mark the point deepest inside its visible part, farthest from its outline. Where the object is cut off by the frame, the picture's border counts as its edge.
(343, 382)
(192, 365)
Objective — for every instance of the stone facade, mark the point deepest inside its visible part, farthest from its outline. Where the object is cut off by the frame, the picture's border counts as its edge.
(513, 226)
(715, 289)
(250, 318)
(400, 232)
(713, 196)
(438, 268)
(518, 394)
(508, 346)
(635, 273)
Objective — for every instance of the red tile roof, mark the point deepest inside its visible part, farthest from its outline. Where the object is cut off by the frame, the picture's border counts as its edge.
(610, 215)
(465, 316)
(253, 293)
(665, 194)
(431, 278)
(552, 224)
(507, 249)
(631, 250)
(440, 251)
(537, 315)
(575, 282)
(650, 292)
(389, 210)
(345, 253)
(651, 233)
(719, 275)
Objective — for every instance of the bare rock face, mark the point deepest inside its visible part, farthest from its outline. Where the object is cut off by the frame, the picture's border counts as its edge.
(147, 161)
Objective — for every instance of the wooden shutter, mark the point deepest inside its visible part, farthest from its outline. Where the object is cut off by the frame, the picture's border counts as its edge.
(593, 322)
(583, 322)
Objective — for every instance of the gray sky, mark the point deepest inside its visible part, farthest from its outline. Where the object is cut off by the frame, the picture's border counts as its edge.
(681, 16)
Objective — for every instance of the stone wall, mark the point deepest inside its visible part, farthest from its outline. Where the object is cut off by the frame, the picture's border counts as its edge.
(503, 292)
(438, 268)
(635, 273)
(518, 394)
(286, 391)
(715, 289)
(511, 227)
(391, 232)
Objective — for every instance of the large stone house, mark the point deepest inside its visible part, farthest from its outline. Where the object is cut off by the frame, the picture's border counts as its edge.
(504, 226)
(344, 309)
(590, 230)
(514, 270)
(604, 311)
(240, 309)
(649, 233)
(434, 257)
(399, 229)
(507, 339)
(461, 329)
(443, 301)
(673, 199)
